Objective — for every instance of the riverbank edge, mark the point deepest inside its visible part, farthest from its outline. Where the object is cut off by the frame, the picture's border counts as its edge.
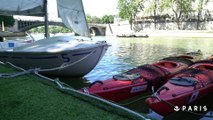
(178, 33)
(119, 30)
(35, 81)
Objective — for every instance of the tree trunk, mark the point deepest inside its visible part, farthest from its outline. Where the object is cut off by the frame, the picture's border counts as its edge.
(155, 14)
(155, 19)
(131, 26)
(198, 21)
(200, 9)
(130, 22)
(178, 24)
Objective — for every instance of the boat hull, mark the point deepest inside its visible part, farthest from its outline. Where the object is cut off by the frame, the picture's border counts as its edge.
(180, 94)
(72, 63)
(141, 79)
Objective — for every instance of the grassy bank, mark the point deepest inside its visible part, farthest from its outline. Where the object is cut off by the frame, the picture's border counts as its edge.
(29, 97)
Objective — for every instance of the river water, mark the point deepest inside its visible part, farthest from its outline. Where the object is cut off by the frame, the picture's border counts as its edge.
(127, 53)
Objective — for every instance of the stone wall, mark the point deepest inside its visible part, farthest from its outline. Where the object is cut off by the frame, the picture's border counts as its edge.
(124, 27)
(173, 26)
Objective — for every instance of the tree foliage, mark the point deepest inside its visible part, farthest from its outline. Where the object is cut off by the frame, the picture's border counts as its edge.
(104, 20)
(176, 10)
(153, 6)
(107, 19)
(128, 9)
(52, 29)
(8, 20)
(179, 8)
(201, 4)
(153, 9)
(93, 19)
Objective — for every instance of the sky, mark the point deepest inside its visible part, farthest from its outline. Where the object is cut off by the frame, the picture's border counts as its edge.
(100, 8)
(97, 8)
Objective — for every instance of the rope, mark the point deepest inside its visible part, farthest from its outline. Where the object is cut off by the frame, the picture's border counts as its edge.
(64, 87)
(29, 34)
(141, 98)
(11, 75)
(1, 63)
(65, 65)
(107, 102)
(19, 68)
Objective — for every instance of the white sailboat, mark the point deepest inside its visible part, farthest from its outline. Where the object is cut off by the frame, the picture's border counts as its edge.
(56, 56)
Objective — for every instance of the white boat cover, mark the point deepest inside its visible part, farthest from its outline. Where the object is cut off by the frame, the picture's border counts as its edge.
(22, 7)
(56, 44)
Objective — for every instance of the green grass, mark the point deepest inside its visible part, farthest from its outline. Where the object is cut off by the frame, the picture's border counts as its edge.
(28, 98)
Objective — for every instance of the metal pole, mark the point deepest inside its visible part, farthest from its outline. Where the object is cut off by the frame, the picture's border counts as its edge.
(46, 24)
(3, 29)
(2, 25)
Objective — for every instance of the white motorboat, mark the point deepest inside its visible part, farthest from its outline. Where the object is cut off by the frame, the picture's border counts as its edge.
(55, 56)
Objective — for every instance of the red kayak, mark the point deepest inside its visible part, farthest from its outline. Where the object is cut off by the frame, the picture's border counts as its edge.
(137, 80)
(184, 88)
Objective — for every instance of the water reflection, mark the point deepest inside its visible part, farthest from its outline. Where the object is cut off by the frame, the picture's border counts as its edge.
(131, 52)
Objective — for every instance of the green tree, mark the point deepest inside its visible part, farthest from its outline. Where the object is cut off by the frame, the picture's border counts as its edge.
(40, 29)
(52, 29)
(179, 8)
(201, 4)
(89, 18)
(93, 19)
(153, 9)
(106, 19)
(128, 9)
(7, 20)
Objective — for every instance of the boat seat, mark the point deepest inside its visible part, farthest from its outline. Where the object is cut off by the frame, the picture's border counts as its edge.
(183, 81)
(186, 56)
(98, 81)
(179, 59)
(205, 61)
(205, 67)
(127, 76)
(168, 64)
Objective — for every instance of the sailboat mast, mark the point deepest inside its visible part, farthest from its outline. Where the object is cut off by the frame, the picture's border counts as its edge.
(46, 23)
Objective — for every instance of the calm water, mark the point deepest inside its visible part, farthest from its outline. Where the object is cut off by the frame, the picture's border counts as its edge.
(127, 53)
